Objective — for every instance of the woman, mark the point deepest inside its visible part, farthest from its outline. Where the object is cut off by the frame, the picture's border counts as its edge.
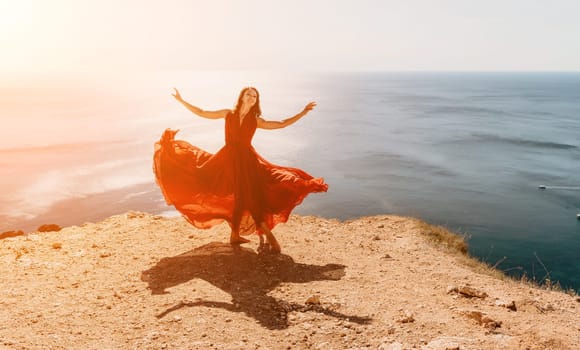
(236, 184)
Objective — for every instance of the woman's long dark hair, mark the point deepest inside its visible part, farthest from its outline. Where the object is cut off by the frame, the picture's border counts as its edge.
(255, 108)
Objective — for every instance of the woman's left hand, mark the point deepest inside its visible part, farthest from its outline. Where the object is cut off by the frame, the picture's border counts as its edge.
(309, 107)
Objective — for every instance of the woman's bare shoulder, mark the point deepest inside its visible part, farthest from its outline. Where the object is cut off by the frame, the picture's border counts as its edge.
(223, 112)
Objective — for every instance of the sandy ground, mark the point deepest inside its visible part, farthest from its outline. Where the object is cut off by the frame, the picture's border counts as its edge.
(138, 281)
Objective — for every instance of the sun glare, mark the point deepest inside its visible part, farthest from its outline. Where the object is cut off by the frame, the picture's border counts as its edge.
(16, 18)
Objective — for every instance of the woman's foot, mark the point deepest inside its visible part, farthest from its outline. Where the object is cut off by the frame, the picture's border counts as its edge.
(236, 239)
(274, 245)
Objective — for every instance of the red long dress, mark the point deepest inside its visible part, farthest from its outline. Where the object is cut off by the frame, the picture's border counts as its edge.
(236, 184)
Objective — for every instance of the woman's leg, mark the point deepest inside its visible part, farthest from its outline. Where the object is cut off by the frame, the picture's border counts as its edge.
(274, 245)
(235, 237)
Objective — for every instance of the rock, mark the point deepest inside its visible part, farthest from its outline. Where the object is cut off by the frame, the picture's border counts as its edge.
(313, 300)
(483, 320)
(407, 317)
(508, 305)
(452, 289)
(443, 344)
(324, 345)
(471, 292)
(391, 346)
(381, 226)
(134, 215)
(533, 305)
(8, 234)
(48, 228)
(56, 245)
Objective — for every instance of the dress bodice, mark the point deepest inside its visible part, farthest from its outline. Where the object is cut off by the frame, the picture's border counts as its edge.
(237, 133)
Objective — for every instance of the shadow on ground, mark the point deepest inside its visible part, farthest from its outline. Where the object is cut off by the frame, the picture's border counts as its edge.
(248, 277)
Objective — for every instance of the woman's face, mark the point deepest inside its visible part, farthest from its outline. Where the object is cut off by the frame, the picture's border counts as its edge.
(250, 97)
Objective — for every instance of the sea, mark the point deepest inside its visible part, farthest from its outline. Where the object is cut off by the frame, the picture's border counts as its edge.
(493, 156)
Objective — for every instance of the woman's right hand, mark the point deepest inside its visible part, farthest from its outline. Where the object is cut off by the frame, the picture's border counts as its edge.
(177, 95)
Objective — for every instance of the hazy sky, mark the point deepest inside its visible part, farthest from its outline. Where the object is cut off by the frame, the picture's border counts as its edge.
(118, 35)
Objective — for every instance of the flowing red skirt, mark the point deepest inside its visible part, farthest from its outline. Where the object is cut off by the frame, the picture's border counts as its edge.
(236, 184)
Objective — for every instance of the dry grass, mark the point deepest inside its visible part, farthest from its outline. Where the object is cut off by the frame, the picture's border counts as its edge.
(443, 237)
(456, 243)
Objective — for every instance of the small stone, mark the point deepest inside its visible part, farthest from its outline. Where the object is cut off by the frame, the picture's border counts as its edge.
(407, 317)
(105, 255)
(534, 305)
(442, 343)
(49, 228)
(56, 245)
(134, 215)
(391, 346)
(508, 305)
(452, 289)
(471, 292)
(313, 300)
(8, 234)
(475, 315)
(377, 238)
(483, 320)
(324, 345)
(381, 226)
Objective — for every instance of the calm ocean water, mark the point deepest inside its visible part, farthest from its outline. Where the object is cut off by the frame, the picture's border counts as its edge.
(465, 150)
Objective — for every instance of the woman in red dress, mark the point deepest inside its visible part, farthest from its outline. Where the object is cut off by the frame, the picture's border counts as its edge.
(236, 184)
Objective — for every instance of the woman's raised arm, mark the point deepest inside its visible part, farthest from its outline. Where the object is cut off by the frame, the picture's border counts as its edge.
(200, 112)
(270, 124)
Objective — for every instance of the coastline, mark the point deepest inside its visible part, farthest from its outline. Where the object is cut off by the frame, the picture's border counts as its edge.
(93, 207)
(152, 282)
